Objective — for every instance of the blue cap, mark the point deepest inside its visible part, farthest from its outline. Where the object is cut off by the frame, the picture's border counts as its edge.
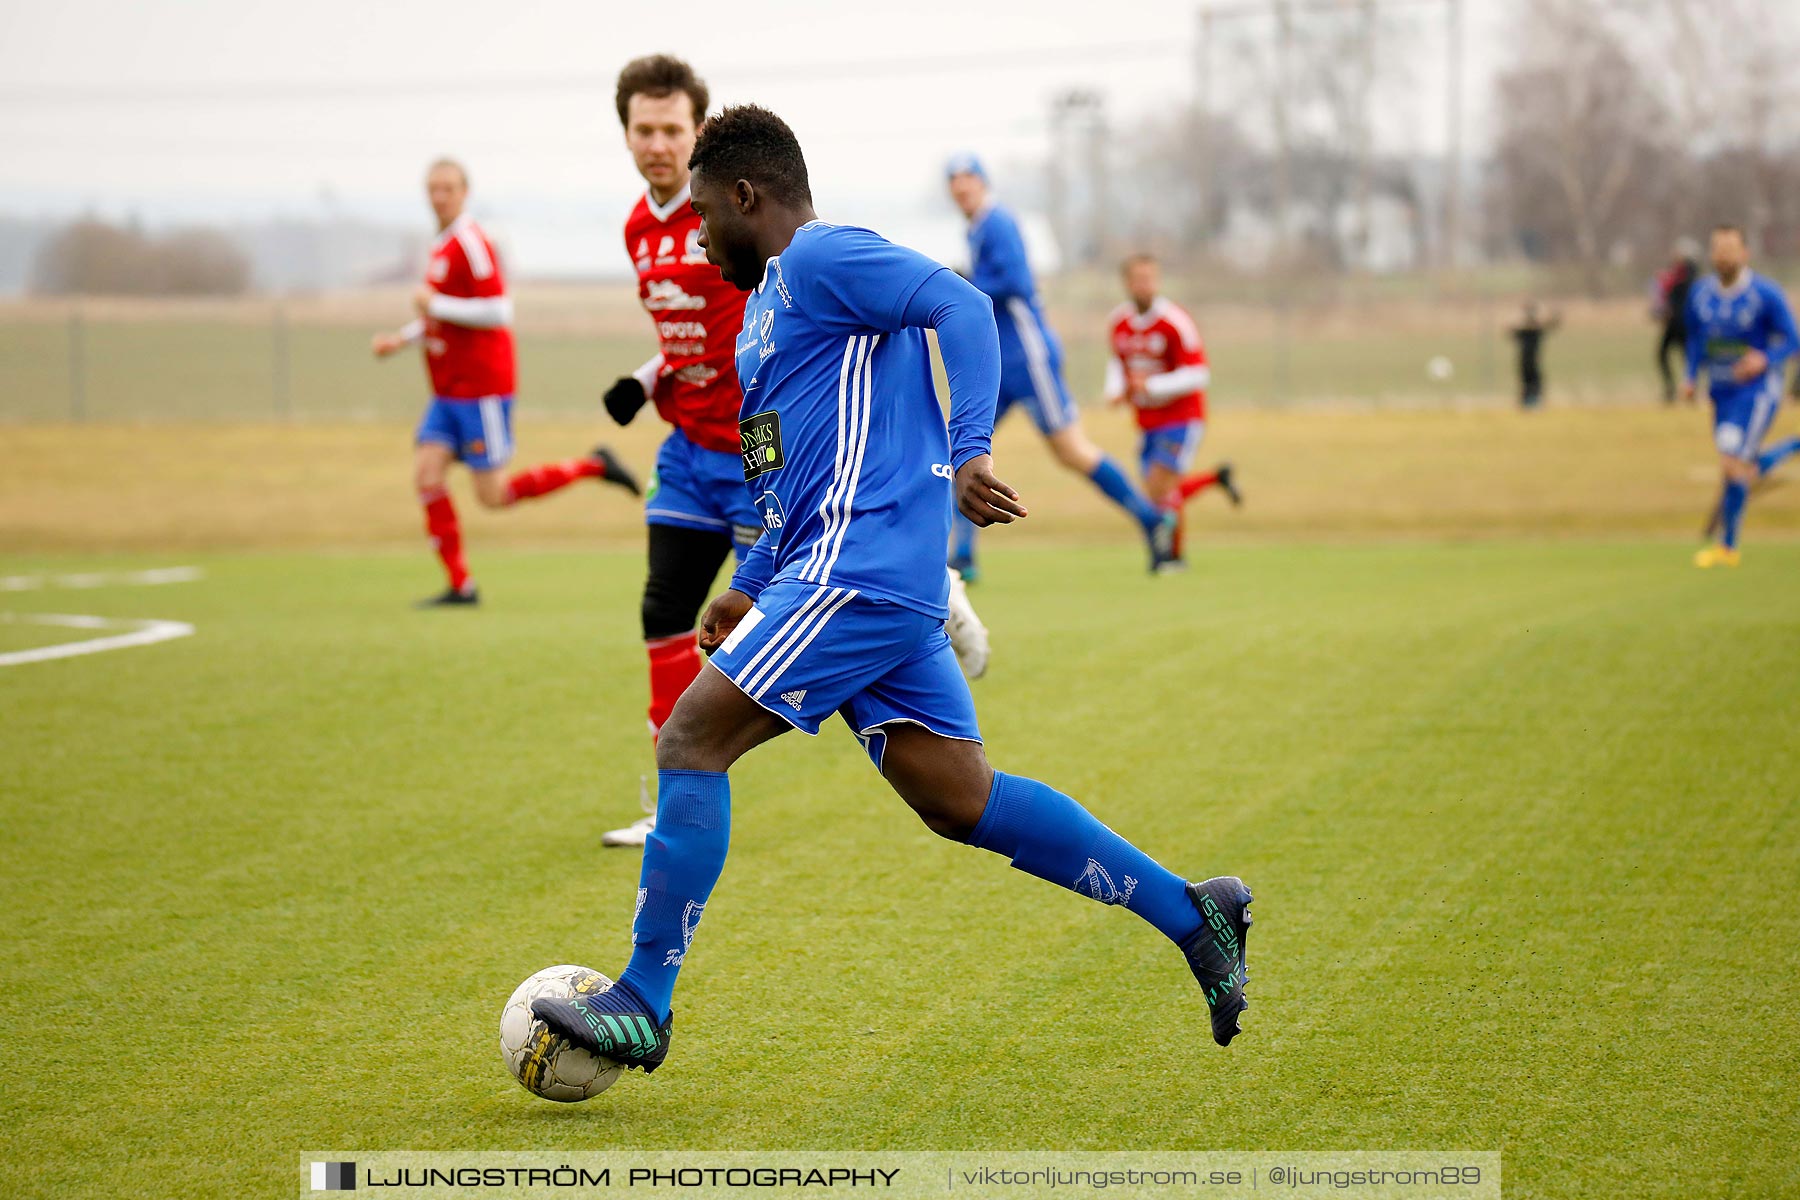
(965, 163)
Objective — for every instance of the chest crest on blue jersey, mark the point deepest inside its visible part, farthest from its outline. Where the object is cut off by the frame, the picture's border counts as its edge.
(765, 334)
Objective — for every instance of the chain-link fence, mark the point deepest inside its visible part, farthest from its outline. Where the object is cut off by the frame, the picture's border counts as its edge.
(264, 360)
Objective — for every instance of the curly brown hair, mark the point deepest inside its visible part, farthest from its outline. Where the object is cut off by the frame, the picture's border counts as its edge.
(659, 75)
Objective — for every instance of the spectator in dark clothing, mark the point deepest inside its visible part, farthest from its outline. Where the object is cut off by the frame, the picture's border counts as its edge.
(1670, 307)
(1534, 324)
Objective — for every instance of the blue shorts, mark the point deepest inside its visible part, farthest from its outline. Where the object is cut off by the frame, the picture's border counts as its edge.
(478, 432)
(697, 488)
(804, 652)
(1741, 417)
(1172, 446)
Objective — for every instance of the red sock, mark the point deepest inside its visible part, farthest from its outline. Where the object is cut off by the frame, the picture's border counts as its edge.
(1196, 483)
(541, 481)
(446, 535)
(674, 662)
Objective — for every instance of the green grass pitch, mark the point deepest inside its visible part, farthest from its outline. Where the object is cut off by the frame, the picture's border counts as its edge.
(1523, 823)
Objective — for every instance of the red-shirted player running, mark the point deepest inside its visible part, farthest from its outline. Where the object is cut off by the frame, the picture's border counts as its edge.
(465, 323)
(697, 507)
(1158, 366)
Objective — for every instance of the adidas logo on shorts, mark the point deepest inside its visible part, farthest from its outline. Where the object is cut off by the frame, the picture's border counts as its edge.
(794, 699)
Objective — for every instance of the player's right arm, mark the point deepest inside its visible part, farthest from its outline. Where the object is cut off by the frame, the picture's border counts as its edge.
(853, 279)
(729, 606)
(1113, 391)
(631, 392)
(409, 334)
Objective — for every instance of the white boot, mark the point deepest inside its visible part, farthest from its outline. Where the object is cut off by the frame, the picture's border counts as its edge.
(968, 636)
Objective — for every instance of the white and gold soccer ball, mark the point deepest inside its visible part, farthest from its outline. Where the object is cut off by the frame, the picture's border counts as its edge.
(545, 1064)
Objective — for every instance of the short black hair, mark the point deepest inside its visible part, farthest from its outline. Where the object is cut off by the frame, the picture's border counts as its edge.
(1729, 227)
(747, 141)
(656, 76)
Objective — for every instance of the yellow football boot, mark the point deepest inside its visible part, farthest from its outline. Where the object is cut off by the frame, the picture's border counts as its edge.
(1716, 556)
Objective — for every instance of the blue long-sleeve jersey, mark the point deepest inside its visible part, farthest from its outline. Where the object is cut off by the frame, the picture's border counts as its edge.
(1723, 323)
(999, 267)
(846, 453)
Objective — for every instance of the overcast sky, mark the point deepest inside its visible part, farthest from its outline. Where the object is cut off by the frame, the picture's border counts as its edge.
(241, 108)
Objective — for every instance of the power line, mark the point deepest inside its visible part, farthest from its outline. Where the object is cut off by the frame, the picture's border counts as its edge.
(837, 71)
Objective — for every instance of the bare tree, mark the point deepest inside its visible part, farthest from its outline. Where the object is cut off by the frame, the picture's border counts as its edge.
(1582, 138)
(93, 258)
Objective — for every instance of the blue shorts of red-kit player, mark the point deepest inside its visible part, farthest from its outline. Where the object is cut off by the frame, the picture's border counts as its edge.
(478, 432)
(697, 488)
(1172, 446)
(804, 652)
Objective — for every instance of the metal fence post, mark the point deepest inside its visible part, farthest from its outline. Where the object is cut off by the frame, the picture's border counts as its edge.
(279, 365)
(77, 365)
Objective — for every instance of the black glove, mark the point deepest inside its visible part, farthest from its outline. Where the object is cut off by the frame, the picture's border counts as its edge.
(624, 398)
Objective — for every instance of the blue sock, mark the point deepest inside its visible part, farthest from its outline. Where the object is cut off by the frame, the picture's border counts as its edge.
(1777, 454)
(1731, 511)
(962, 539)
(1110, 478)
(1051, 836)
(682, 861)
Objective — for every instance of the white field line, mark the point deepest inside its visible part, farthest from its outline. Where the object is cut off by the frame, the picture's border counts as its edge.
(94, 579)
(143, 633)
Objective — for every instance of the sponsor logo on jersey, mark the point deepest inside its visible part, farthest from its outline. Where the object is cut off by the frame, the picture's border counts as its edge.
(698, 374)
(760, 434)
(440, 267)
(795, 698)
(665, 248)
(692, 253)
(662, 295)
(774, 517)
(787, 301)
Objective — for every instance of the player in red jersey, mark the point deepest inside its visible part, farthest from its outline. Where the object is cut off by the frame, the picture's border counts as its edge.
(696, 507)
(1158, 366)
(465, 325)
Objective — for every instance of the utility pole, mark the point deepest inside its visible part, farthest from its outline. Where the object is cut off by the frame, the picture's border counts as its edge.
(1452, 222)
(1365, 137)
(1203, 96)
(1100, 224)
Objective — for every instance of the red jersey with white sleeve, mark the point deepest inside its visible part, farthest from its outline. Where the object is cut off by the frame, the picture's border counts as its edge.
(698, 316)
(468, 328)
(1162, 345)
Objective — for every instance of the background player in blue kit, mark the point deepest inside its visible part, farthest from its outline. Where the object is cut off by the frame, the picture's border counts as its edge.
(1741, 331)
(840, 605)
(1031, 368)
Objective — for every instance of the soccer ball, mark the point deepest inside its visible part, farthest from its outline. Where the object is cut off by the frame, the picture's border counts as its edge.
(1439, 368)
(544, 1064)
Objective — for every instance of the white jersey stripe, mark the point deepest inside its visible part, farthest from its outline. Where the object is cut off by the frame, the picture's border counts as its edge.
(481, 264)
(862, 445)
(831, 507)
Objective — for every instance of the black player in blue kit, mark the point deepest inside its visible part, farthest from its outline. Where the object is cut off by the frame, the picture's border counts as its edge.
(840, 606)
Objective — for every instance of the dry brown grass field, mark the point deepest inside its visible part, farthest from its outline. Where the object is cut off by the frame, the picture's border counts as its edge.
(1309, 474)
